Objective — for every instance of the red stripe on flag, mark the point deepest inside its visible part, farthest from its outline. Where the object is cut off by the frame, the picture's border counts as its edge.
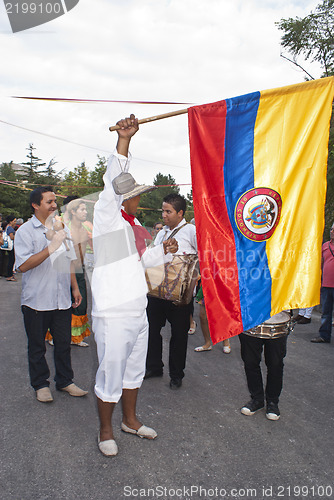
(215, 238)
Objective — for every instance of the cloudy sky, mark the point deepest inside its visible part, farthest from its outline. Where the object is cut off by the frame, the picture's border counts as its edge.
(189, 51)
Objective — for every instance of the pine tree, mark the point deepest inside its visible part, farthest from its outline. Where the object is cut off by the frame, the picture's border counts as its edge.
(33, 164)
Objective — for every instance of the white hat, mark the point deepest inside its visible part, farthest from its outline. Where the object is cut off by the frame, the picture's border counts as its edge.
(126, 185)
(137, 190)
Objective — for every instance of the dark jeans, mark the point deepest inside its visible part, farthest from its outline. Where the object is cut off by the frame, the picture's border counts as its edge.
(11, 260)
(327, 299)
(36, 324)
(158, 311)
(274, 353)
(2, 253)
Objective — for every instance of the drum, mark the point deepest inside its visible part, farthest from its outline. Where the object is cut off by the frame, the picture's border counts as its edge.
(277, 326)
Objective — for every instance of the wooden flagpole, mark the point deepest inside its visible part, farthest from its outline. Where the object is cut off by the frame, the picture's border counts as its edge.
(154, 118)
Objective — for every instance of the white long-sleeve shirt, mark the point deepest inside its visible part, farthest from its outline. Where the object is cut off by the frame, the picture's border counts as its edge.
(186, 237)
(118, 282)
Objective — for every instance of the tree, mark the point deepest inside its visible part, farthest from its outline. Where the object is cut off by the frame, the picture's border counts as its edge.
(77, 182)
(50, 172)
(7, 172)
(312, 36)
(153, 200)
(96, 176)
(14, 201)
(190, 206)
(49, 176)
(33, 164)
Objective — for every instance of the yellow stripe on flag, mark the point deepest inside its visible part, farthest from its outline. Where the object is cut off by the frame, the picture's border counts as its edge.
(290, 156)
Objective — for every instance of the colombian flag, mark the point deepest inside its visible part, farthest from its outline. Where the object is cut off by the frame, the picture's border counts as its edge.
(259, 165)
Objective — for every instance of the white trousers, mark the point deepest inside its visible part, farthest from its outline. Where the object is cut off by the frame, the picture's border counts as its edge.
(307, 313)
(121, 349)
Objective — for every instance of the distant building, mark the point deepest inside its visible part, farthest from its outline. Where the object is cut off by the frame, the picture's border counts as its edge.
(18, 169)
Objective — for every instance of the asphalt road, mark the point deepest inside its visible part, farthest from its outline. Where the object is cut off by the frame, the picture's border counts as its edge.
(206, 449)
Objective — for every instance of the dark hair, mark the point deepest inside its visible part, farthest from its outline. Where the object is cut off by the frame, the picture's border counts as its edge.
(70, 198)
(177, 201)
(37, 194)
(9, 218)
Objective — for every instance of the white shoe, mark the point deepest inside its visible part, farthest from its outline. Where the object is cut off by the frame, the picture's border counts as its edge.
(82, 344)
(108, 448)
(192, 329)
(142, 432)
(201, 348)
(226, 349)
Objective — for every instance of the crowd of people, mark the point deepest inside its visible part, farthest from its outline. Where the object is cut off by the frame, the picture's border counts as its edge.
(50, 252)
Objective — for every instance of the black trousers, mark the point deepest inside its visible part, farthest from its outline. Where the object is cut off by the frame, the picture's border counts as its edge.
(36, 324)
(158, 311)
(2, 253)
(10, 266)
(274, 353)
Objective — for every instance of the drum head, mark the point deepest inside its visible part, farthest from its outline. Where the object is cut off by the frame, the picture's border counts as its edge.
(282, 317)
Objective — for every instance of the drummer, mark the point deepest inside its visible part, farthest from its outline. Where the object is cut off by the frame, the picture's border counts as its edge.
(253, 342)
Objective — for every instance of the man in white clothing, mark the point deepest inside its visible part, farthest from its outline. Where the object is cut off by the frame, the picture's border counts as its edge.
(119, 294)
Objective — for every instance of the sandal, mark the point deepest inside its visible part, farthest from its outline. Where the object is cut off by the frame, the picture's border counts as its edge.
(202, 348)
(192, 330)
(11, 279)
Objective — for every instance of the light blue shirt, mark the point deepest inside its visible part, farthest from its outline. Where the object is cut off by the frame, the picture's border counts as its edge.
(48, 286)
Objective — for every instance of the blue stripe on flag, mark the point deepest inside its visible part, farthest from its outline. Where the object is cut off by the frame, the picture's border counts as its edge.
(254, 275)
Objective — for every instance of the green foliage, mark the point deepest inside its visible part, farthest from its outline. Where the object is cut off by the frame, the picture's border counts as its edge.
(312, 36)
(6, 172)
(96, 176)
(76, 182)
(190, 206)
(14, 201)
(80, 182)
(33, 164)
(153, 200)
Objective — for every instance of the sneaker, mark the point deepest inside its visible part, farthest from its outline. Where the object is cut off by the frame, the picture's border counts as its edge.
(304, 321)
(175, 383)
(272, 412)
(251, 407)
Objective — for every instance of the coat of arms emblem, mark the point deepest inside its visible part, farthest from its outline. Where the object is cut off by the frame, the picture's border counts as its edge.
(257, 213)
